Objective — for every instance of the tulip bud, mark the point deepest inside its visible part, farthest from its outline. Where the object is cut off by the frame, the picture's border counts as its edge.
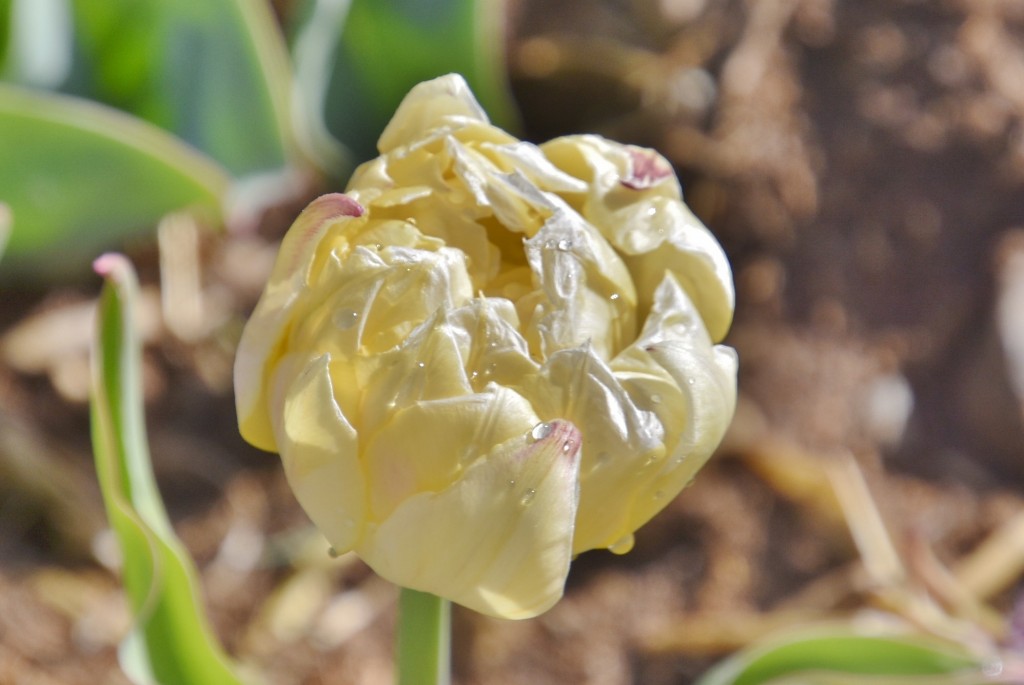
(487, 357)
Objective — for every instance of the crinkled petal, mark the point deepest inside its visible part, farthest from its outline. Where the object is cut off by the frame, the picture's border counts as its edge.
(438, 216)
(708, 401)
(639, 209)
(425, 446)
(499, 539)
(370, 302)
(693, 256)
(428, 365)
(694, 383)
(495, 350)
(320, 452)
(622, 439)
(262, 335)
(530, 161)
(585, 293)
(517, 204)
(444, 101)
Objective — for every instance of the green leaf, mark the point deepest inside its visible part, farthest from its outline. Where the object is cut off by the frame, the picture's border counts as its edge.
(171, 642)
(355, 67)
(213, 72)
(77, 176)
(834, 657)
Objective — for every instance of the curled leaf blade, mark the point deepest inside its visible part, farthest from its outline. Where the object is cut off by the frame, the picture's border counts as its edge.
(171, 640)
(842, 656)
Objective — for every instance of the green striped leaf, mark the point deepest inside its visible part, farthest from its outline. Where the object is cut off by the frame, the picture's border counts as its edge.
(171, 641)
(838, 657)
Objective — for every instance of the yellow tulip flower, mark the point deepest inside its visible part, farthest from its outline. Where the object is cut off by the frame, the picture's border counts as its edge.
(487, 357)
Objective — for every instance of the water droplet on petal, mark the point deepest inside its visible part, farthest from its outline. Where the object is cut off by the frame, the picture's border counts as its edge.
(613, 297)
(655, 399)
(564, 245)
(333, 553)
(622, 545)
(527, 496)
(345, 318)
(540, 431)
(602, 458)
(691, 381)
(421, 364)
(511, 482)
(567, 446)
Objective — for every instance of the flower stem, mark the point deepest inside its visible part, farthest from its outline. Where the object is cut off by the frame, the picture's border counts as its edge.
(424, 636)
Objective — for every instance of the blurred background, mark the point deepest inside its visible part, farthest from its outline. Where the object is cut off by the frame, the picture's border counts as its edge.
(862, 164)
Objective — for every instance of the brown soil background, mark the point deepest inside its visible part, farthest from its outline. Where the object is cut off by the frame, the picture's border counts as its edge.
(863, 165)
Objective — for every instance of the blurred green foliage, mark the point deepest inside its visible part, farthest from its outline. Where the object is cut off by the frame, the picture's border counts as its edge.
(212, 72)
(190, 100)
(76, 175)
(388, 46)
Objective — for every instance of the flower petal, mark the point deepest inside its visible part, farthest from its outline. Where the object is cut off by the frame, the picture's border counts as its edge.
(432, 104)
(427, 445)
(320, 452)
(639, 210)
(262, 334)
(499, 540)
(585, 293)
(695, 383)
(623, 438)
(691, 254)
